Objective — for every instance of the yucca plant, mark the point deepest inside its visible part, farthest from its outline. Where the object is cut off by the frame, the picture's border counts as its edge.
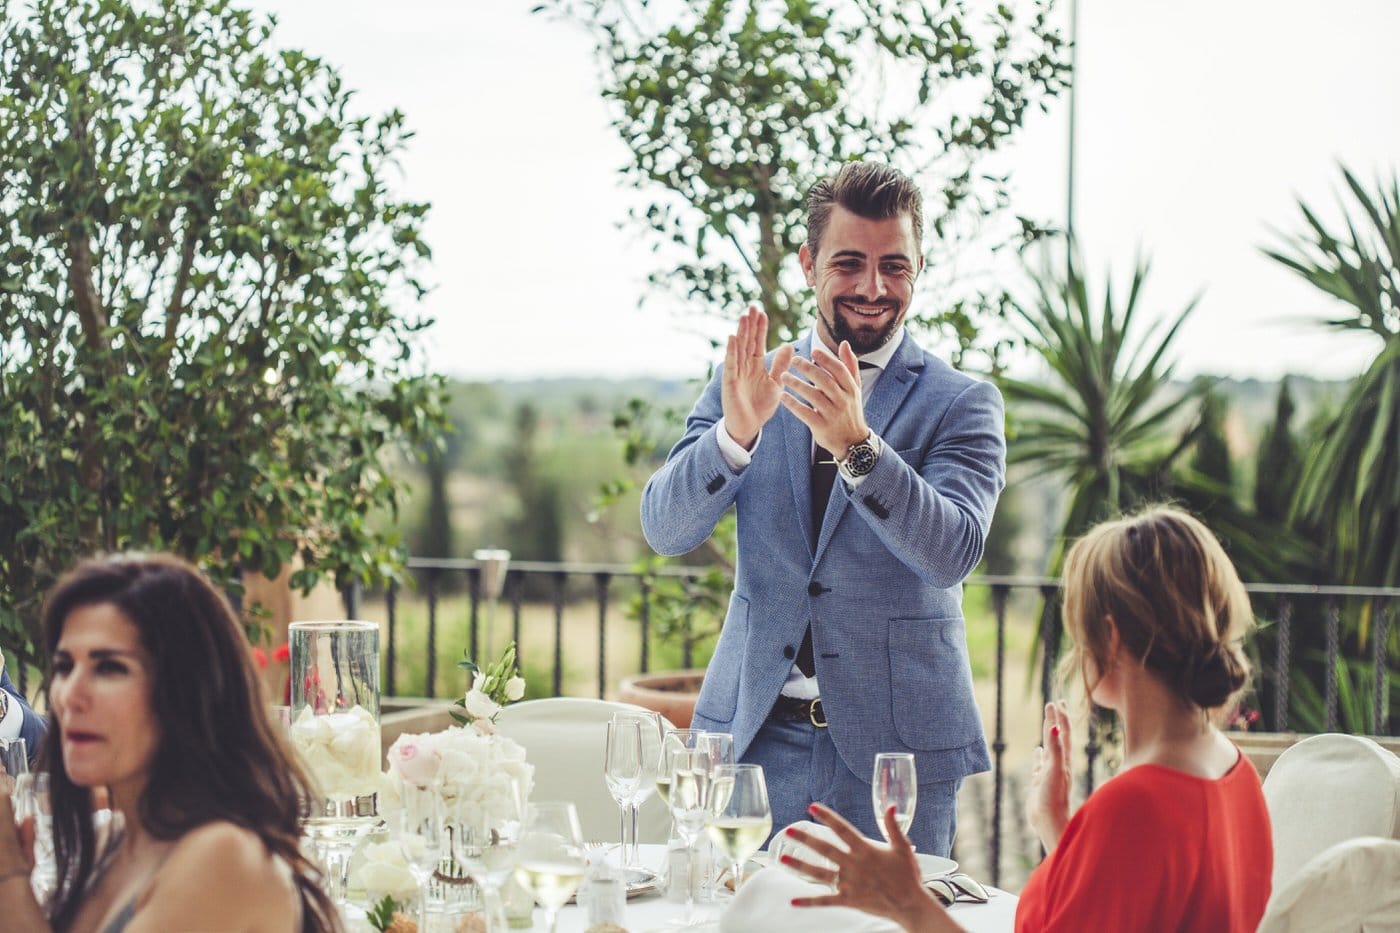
(1350, 486)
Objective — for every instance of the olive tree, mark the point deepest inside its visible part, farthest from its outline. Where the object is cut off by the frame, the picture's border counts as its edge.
(200, 265)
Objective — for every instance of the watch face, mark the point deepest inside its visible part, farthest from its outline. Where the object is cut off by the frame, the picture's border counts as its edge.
(860, 460)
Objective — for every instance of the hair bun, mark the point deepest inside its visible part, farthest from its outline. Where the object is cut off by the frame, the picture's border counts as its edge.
(1214, 676)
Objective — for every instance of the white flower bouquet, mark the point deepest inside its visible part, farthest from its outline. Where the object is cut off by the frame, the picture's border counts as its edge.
(492, 687)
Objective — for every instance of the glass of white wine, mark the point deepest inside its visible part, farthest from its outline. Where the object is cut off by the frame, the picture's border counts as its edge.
(690, 800)
(674, 740)
(550, 861)
(740, 819)
(894, 784)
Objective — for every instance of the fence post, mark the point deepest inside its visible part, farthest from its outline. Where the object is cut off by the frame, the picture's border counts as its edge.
(431, 688)
(391, 600)
(1282, 649)
(600, 583)
(1379, 638)
(999, 597)
(474, 599)
(559, 580)
(646, 621)
(1333, 623)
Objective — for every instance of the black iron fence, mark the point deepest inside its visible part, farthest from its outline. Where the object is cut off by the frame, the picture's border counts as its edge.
(1300, 637)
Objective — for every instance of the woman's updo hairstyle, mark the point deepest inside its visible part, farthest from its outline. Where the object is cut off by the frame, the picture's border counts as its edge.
(1174, 596)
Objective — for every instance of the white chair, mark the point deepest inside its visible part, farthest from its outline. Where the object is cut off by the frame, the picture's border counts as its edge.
(563, 738)
(1354, 885)
(1327, 789)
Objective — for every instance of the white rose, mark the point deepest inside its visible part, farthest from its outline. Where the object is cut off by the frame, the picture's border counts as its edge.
(515, 688)
(480, 706)
(381, 870)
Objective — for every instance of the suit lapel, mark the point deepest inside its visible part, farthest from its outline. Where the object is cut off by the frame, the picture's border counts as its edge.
(894, 386)
(797, 448)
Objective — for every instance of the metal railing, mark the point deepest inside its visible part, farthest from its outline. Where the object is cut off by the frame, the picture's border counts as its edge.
(1281, 607)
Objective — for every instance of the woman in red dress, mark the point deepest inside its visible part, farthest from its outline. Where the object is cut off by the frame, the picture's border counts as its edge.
(1179, 839)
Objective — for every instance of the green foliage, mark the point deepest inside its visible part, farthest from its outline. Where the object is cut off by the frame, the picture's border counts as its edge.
(1350, 484)
(381, 915)
(1211, 458)
(198, 347)
(1356, 691)
(1279, 462)
(731, 109)
(1103, 419)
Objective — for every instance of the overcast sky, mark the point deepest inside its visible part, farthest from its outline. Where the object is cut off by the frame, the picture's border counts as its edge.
(1201, 123)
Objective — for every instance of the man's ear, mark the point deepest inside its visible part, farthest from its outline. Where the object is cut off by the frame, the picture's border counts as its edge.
(804, 256)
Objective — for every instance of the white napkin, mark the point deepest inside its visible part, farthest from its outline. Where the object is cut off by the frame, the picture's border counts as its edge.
(764, 902)
(783, 844)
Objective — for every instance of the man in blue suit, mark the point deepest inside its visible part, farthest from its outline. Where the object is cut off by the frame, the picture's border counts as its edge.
(17, 719)
(844, 635)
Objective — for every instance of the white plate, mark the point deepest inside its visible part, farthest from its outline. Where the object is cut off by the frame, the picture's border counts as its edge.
(931, 866)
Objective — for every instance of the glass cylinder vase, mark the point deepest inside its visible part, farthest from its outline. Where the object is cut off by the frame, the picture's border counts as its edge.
(335, 732)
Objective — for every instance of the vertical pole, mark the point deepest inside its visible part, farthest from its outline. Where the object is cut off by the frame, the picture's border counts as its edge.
(391, 604)
(999, 597)
(600, 583)
(1282, 650)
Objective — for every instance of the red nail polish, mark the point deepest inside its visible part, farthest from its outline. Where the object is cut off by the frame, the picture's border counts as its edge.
(786, 859)
(1054, 731)
(789, 832)
(811, 808)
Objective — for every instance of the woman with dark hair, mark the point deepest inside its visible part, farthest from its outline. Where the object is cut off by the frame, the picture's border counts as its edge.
(1179, 839)
(153, 696)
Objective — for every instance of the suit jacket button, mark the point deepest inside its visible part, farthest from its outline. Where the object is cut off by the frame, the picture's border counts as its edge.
(789, 652)
(814, 589)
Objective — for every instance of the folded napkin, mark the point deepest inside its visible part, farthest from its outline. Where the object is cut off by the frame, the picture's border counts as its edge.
(764, 902)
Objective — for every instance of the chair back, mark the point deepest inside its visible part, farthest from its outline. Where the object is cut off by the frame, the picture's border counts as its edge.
(563, 738)
(1354, 885)
(1327, 789)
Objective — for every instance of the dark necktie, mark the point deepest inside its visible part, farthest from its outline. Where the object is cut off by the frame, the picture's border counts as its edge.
(823, 478)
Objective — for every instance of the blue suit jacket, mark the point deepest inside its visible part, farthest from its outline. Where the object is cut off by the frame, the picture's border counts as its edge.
(34, 726)
(882, 589)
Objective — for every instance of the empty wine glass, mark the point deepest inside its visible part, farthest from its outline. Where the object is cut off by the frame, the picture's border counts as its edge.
(420, 831)
(622, 768)
(550, 861)
(689, 800)
(651, 729)
(894, 784)
(674, 740)
(489, 850)
(740, 819)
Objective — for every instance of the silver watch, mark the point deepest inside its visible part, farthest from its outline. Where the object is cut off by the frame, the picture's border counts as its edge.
(860, 458)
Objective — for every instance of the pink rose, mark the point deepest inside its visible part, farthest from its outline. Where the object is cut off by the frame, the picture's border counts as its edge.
(415, 759)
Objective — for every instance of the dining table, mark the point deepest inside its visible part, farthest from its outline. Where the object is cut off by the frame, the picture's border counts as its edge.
(650, 911)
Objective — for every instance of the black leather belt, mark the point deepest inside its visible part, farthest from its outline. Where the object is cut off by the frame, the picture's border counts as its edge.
(791, 709)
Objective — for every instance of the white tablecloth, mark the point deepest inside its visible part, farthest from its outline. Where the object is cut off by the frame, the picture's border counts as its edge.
(651, 912)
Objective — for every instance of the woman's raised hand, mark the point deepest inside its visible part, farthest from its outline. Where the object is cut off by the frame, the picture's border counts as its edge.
(1047, 802)
(870, 876)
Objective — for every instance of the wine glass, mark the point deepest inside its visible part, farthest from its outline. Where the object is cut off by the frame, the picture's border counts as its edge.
(489, 850)
(674, 740)
(689, 799)
(718, 749)
(894, 784)
(740, 819)
(550, 862)
(652, 731)
(622, 768)
(421, 834)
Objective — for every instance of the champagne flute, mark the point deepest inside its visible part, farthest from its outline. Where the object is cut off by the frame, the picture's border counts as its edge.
(550, 861)
(675, 739)
(421, 834)
(689, 800)
(652, 731)
(894, 784)
(718, 749)
(622, 769)
(740, 819)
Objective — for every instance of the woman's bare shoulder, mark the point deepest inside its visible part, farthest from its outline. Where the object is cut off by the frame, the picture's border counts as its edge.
(220, 876)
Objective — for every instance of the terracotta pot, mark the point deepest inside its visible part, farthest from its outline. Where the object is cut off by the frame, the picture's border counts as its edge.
(670, 693)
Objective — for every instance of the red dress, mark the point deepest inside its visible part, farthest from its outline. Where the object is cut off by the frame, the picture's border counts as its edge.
(1158, 849)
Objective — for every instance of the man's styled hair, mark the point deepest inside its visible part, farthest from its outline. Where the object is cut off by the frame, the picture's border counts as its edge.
(871, 190)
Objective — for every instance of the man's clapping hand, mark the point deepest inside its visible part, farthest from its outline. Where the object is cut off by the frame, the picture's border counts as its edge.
(751, 389)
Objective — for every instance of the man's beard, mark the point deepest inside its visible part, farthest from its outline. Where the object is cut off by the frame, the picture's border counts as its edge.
(863, 338)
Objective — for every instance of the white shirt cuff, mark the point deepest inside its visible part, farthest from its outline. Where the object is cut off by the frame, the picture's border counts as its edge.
(734, 455)
(879, 446)
(13, 722)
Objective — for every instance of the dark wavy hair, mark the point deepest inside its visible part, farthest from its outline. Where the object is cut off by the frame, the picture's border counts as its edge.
(220, 757)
